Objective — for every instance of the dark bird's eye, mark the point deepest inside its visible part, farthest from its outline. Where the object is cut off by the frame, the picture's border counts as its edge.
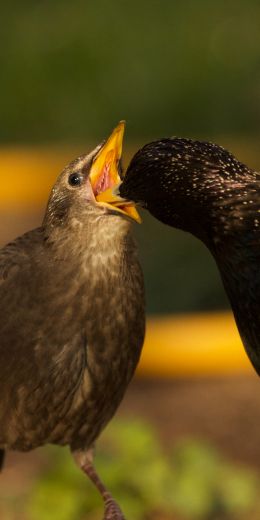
(75, 179)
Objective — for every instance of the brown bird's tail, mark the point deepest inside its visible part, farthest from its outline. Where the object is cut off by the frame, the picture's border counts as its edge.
(2, 459)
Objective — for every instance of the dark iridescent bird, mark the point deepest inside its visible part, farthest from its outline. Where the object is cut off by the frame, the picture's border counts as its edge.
(72, 315)
(201, 188)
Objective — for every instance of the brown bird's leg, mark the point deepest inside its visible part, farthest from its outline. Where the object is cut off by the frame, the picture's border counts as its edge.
(112, 510)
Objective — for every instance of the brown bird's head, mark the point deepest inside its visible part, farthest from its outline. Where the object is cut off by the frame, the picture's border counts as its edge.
(83, 191)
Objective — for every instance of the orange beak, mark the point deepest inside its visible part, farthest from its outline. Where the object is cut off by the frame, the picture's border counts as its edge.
(104, 175)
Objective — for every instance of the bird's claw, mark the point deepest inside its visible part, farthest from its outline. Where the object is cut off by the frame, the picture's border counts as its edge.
(112, 511)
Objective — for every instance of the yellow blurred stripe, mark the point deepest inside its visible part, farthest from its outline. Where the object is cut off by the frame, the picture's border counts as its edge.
(27, 175)
(195, 345)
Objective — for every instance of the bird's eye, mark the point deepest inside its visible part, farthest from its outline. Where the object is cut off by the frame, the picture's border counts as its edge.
(75, 179)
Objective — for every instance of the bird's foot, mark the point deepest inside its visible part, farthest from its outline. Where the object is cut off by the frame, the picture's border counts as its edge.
(112, 509)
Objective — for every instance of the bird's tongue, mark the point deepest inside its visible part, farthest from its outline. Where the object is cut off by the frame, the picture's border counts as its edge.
(104, 175)
(108, 176)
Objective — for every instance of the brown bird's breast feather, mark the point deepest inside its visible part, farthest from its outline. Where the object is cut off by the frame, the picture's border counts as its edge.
(72, 328)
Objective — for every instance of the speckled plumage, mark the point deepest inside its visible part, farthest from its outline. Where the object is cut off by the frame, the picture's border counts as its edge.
(72, 321)
(202, 188)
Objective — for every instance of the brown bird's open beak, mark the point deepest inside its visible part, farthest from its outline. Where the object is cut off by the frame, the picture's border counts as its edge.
(104, 175)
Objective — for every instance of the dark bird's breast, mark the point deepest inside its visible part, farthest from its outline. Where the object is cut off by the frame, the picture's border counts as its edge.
(72, 328)
(238, 263)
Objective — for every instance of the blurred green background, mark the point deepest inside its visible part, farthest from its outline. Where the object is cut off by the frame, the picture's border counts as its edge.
(69, 72)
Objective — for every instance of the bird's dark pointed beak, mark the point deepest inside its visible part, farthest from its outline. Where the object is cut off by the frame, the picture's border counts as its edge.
(104, 175)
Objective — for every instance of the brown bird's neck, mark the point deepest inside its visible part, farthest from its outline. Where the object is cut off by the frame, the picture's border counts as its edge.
(79, 242)
(95, 274)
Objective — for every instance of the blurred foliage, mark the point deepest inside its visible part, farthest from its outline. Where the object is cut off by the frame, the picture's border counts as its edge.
(192, 482)
(70, 70)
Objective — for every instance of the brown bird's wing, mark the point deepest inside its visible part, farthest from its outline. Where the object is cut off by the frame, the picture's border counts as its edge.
(41, 359)
(16, 254)
(17, 266)
(14, 262)
(10, 257)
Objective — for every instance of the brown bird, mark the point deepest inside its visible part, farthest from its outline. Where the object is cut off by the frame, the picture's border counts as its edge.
(72, 315)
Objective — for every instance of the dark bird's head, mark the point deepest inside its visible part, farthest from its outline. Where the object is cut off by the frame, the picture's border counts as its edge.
(82, 194)
(189, 184)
